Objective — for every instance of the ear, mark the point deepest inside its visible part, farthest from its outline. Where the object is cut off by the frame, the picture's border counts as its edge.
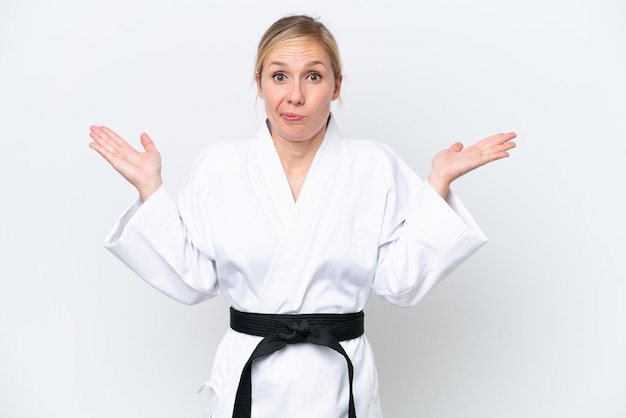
(337, 90)
(259, 89)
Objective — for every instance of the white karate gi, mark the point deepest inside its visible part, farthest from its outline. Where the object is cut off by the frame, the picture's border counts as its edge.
(363, 221)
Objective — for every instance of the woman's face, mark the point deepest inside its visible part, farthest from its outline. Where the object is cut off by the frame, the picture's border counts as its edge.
(298, 86)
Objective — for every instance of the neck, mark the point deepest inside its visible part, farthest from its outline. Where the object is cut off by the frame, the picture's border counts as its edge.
(297, 157)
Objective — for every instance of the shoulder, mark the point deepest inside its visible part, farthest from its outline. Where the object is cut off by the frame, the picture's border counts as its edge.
(222, 154)
(225, 148)
(368, 146)
(362, 149)
(216, 166)
(372, 154)
(377, 164)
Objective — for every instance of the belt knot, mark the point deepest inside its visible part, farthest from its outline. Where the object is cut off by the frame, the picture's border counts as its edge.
(299, 332)
(320, 329)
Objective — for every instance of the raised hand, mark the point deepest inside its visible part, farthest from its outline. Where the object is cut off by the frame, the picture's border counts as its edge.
(455, 161)
(141, 169)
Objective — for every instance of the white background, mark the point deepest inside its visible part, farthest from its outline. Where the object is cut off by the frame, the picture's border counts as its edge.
(533, 325)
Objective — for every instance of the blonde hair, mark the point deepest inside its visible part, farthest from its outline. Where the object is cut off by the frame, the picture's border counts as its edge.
(298, 27)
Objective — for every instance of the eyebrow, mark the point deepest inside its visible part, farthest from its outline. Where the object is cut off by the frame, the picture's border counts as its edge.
(309, 64)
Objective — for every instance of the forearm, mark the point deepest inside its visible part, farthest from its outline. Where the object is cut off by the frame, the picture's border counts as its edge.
(435, 238)
(151, 240)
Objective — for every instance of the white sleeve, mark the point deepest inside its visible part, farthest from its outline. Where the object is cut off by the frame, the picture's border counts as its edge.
(153, 241)
(426, 238)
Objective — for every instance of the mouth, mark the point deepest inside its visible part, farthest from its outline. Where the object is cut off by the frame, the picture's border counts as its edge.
(292, 117)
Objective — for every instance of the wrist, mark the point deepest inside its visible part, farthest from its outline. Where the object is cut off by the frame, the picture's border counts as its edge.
(145, 191)
(439, 184)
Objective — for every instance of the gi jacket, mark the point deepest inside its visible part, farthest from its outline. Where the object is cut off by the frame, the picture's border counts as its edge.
(363, 221)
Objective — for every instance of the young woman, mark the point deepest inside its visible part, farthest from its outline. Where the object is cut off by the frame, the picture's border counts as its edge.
(295, 227)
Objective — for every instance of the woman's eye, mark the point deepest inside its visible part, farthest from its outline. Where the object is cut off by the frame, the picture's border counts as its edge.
(315, 77)
(279, 77)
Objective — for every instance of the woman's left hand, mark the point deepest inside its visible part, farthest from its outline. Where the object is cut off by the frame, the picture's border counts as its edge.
(455, 161)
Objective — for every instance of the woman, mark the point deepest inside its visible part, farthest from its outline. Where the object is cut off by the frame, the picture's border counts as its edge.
(297, 220)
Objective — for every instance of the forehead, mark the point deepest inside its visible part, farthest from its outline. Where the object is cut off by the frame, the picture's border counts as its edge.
(298, 51)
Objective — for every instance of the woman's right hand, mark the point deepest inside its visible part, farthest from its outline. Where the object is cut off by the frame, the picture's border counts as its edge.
(141, 169)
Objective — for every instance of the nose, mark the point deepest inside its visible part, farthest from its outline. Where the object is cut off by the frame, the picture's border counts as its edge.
(296, 94)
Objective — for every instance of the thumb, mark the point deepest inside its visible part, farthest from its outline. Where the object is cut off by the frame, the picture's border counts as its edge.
(456, 147)
(147, 143)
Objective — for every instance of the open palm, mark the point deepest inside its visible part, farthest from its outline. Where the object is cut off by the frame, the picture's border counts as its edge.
(141, 169)
(455, 161)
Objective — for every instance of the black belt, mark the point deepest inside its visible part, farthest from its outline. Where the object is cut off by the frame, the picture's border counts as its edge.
(280, 330)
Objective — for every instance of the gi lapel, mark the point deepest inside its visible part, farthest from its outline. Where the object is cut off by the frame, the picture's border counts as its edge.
(269, 181)
(284, 286)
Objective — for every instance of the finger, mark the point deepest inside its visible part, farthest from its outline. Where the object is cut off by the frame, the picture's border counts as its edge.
(456, 147)
(147, 143)
(105, 153)
(499, 138)
(98, 133)
(504, 137)
(496, 141)
(111, 147)
(498, 155)
(103, 140)
(114, 137)
(497, 147)
(112, 141)
(509, 145)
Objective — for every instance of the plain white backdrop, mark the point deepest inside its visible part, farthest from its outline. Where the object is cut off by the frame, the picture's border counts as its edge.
(533, 325)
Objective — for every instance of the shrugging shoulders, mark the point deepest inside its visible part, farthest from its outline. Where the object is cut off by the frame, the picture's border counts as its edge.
(373, 218)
